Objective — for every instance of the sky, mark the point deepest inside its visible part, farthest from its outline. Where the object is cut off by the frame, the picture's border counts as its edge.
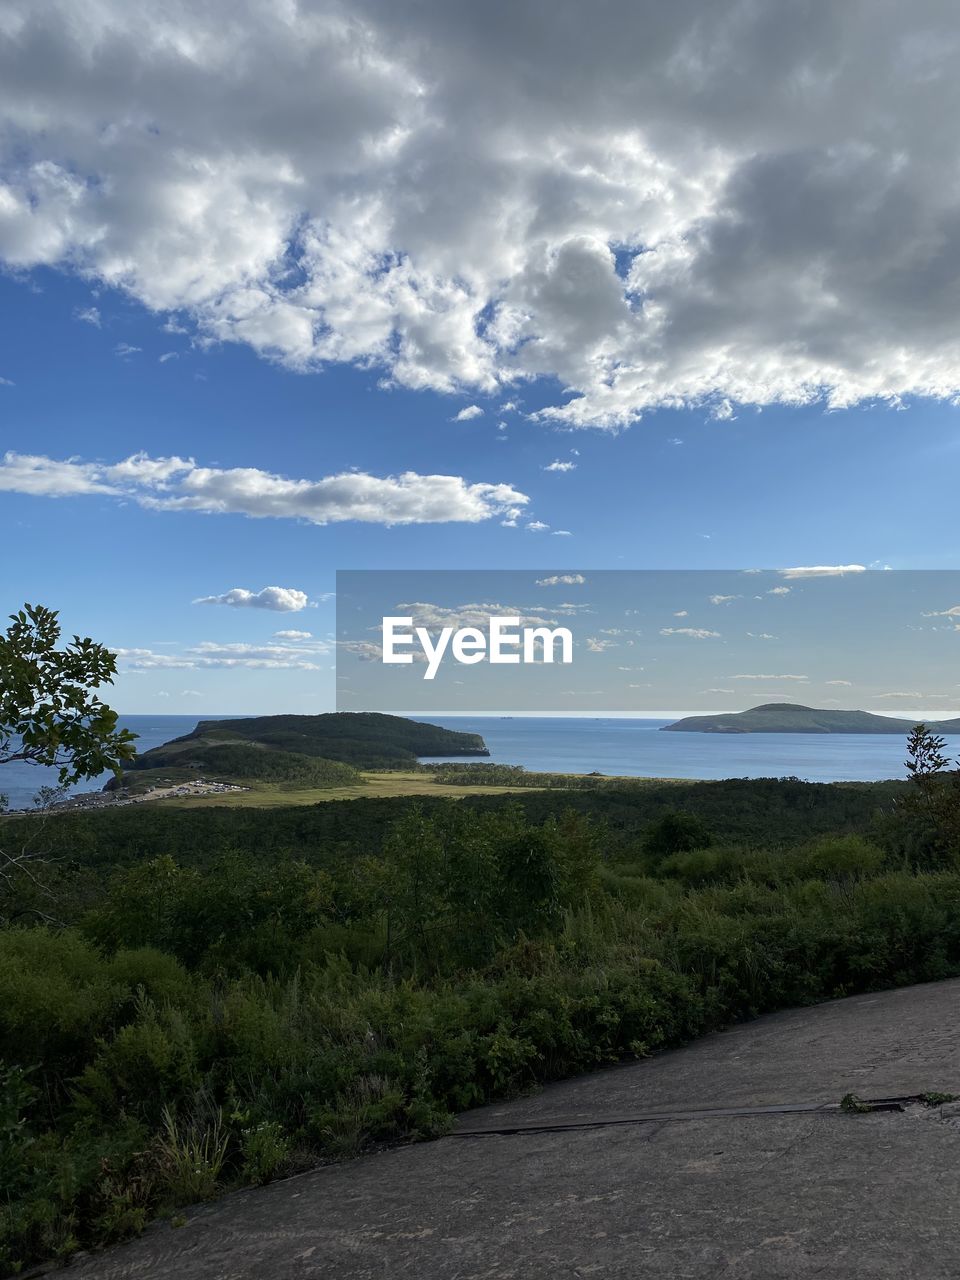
(291, 288)
(648, 643)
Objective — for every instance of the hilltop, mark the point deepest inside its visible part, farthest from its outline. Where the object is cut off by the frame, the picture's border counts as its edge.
(304, 751)
(789, 717)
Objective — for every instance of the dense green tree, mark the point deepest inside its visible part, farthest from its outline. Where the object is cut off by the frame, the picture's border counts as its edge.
(928, 826)
(49, 712)
(676, 832)
(50, 715)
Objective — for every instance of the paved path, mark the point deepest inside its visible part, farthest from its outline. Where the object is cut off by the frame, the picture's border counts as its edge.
(670, 1190)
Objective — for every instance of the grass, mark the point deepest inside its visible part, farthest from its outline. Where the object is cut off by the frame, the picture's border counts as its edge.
(374, 786)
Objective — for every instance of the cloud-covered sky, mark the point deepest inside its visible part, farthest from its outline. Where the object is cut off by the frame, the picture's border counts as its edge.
(731, 203)
(384, 284)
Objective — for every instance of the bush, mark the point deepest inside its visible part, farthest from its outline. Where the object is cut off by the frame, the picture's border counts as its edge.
(209, 1026)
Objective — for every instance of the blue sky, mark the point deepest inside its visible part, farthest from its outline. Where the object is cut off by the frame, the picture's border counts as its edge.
(721, 306)
(775, 488)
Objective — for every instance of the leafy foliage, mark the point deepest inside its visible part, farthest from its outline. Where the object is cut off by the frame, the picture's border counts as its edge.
(48, 712)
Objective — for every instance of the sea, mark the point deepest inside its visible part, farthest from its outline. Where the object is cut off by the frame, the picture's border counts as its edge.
(20, 782)
(634, 748)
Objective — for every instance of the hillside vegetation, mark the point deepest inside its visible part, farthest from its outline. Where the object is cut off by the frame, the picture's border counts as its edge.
(203, 999)
(789, 717)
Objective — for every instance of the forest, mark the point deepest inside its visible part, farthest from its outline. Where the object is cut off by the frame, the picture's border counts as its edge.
(193, 1001)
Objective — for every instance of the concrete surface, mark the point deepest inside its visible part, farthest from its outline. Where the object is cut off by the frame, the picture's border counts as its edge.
(683, 1192)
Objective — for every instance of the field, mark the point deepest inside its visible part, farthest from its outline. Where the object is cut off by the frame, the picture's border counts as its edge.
(375, 785)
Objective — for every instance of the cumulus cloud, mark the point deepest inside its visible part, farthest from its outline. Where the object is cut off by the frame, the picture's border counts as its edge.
(562, 580)
(770, 178)
(177, 484)
(292, 635)
(779, 591)
(89, 315)
(471, 411)
(718, 599)
(821, 571)
(557, 465)
(280, 599)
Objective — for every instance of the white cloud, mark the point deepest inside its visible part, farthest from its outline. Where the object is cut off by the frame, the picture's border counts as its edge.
(561, 533)
(537, 526)
(434, 616)
(772, 181)
(292, 635)
(562, 580)
(279, 599)
(176, 484)
(722, 599)
(718, 691)
(696, 633)
(7, 382)
(760, 635)
(124, 349)
(848, 684)
(822, 571)
(168, 355)
(779, 591)
(89, 315)
(596, 645)
(557, 465)
(925, 697)
(953, 612)
(471, 411)
(768, 677)
(681, 613)
(211, 656)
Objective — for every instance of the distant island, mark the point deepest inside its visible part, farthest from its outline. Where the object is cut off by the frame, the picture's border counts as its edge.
(788, 717)
(307, 751)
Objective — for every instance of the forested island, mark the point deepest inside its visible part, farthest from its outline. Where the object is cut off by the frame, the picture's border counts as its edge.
(790, 717)
(306, 751)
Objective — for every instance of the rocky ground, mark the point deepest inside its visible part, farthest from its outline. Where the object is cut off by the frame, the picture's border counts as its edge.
(730, 1158)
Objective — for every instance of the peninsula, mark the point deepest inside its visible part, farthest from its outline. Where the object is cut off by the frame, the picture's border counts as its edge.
(303, 751)
(789, 717)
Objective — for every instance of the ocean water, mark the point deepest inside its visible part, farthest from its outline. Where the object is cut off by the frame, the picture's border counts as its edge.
(635, 748)
(21, 782)
(638, 749)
